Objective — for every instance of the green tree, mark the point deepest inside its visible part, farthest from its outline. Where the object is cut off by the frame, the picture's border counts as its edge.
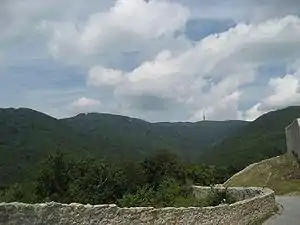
(96, 182)
(53, 180)
(161, 166)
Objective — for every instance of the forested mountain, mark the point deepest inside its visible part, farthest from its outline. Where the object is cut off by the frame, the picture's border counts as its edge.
(28, 136)
(260, 139)
(135, 171)
(120, 135)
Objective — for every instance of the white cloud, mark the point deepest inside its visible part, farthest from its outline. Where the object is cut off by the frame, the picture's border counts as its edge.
(129, 26)
(253, 112)
(211, 74)
(99, 76)
(281, 92)
(285, 91)
(84, 104)
(225, 107)
(138, 49)
(253, 11)
(146, 19)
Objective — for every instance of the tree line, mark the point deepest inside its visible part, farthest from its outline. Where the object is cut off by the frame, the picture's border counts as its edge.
(159, 180)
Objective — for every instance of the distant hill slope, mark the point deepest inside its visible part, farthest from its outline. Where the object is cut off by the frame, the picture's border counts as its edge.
(120, 135)
(282, 174)
(27, 136)
(260, 139)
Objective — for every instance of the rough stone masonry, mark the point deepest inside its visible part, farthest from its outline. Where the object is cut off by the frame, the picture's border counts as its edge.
(254, 204)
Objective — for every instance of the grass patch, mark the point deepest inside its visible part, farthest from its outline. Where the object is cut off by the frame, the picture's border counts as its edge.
(282, 174)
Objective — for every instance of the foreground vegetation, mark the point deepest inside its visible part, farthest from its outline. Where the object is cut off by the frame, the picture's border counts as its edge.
(161, 180)
(282, 174)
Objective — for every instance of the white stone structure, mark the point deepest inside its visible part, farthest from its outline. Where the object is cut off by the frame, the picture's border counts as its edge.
(292, 133)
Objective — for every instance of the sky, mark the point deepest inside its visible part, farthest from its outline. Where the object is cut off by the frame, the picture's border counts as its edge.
(158, 60)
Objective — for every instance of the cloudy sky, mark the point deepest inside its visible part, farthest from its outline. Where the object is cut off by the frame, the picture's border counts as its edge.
(159, 60)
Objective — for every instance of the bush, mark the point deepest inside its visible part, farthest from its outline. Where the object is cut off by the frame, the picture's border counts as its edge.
(169, 193)
(18, 193)
(145, 196)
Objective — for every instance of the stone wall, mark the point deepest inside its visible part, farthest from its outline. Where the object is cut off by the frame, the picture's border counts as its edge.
(292, 133)
(233, 193)
(257, 203)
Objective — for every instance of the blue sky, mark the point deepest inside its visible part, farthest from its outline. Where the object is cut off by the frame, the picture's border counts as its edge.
(158, 60)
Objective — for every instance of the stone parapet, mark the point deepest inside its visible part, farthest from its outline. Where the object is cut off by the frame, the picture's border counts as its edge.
(254, 204)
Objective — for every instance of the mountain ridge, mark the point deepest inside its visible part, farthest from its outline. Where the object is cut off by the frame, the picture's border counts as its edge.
(27, 136)
(261, 139)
